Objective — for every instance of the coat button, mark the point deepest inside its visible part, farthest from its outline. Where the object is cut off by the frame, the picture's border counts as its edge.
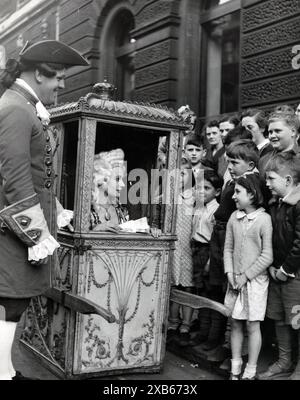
(47, 138)
(49, 172)
(48, 149)
(48, 162)
(48, 184)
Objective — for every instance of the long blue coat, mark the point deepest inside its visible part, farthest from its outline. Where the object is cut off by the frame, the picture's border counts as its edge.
(25, 169)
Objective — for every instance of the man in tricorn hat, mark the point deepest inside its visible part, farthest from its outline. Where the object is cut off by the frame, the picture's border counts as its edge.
(28, 215)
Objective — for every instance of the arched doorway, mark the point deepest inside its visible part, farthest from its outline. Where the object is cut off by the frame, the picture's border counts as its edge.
(117, 49)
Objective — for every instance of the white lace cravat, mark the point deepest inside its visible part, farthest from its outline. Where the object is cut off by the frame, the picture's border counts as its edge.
(42, 113)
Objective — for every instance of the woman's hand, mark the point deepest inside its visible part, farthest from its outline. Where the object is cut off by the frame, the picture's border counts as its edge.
(107, 227)
(241, 281)
(155, 232)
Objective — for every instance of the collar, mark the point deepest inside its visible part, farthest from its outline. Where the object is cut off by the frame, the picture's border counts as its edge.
(25, 93)
(27, 87)
(293, 196)
(42, 113)
(254, 171)
(263, 144)
(240, 214)
(294, 150)
(211, 204)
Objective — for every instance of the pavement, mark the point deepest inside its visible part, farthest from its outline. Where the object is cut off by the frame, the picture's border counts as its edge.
(180, 363)
(175, 367)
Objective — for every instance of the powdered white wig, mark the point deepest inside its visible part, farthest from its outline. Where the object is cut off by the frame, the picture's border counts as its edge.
(104, 164)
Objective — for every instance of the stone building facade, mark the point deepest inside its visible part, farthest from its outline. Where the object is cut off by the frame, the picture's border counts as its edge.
(218, 56)
(270, 37)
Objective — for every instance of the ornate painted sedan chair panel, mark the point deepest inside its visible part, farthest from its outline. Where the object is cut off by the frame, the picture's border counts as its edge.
(107, 310)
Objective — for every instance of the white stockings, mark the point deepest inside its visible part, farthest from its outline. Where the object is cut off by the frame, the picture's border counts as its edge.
(7, 334)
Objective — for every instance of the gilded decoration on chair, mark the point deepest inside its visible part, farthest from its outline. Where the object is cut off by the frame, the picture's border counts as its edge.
(37, 332)
(46, 321)
(97, 347)
(140, 346)
(126, 277)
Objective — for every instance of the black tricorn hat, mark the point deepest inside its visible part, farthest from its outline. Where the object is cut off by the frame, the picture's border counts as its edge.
(52, 51)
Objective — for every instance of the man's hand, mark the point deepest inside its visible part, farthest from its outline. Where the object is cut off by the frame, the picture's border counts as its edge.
(280, 276)
(273, 273)
(241, 281)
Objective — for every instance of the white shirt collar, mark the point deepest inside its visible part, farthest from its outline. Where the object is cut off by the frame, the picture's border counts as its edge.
(262, 144)
(211, 204)
(241, 214)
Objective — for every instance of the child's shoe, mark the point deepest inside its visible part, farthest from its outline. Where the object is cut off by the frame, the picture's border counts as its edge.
(275, 370)
(253, 378)
(219, 354)
(225, 366)
(296, 374)
(249, 373)
(236, 369)
(234, 377)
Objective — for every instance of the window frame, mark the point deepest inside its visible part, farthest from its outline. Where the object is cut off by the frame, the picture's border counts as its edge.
(218, 11)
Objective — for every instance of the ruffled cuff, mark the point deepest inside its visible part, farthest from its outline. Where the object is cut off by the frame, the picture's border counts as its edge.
(43, 249)
(64, 218)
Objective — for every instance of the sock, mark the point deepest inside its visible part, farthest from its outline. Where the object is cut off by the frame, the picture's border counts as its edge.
(173, 325)
(184, 328)
(236, 366)
(250, 371)
(7, 334)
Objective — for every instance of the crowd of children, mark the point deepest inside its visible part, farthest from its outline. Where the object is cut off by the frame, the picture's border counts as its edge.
(241, 246)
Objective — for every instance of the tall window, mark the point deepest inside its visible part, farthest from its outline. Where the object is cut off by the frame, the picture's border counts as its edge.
(117, 54)
(220, 65)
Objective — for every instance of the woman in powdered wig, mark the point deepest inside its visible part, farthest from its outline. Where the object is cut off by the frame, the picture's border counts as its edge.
(106, 211)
